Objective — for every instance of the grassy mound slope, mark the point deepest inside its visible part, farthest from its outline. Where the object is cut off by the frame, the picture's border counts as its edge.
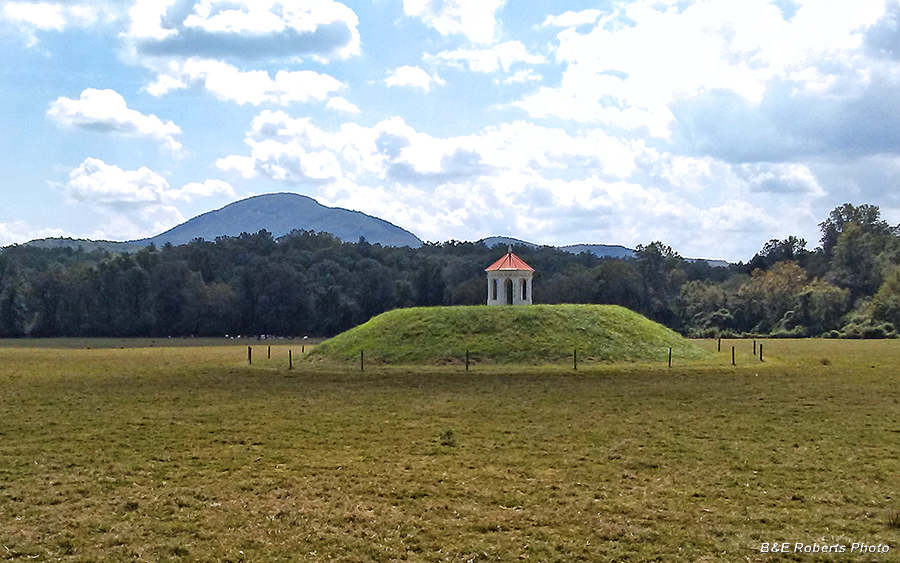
(524, 334)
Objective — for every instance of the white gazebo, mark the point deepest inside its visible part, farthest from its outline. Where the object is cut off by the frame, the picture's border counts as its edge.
(509, 281)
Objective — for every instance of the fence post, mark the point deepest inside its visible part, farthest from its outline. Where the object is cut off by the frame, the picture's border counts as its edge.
(720, 345)
(467, 360)
(249, 355)
(268, 352)
(362, 361)
(732, 355)
(754, 347)
(760, 352)
(290, 359)
(575, 355)
(670, 357)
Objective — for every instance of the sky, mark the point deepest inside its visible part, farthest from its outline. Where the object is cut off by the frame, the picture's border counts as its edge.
(710, 125)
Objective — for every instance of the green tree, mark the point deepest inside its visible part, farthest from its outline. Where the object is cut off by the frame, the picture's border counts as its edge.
(866, 217)
(703, 306)
(774, 251)
(12, 312)
(823, 305)
(885, 305)
(429, 284)
(854, 262)
(661, 275)
(207, 309)
(619, 283)
(47, 290)
(167, 294)
(770, 294)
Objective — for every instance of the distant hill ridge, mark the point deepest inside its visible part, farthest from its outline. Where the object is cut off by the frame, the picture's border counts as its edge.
(601, 250)
(85, 245)
(281, 213)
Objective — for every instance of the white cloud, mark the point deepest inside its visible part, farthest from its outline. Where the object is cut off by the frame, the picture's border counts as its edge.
(222, 45)
(18, 232)
(539, 183)
(243, 30)
(573, 19)
(290, 150)
(106, 111)
(611, 76)
(37, 16)
(208, 188)
(97, 182)
(303, 85)
(341, 104)
(503, 55)
(412, 77)
(522, 76)
(296, 150)
(476, 19)
(137, 223)
(136, 203)
(256, 87)
(782, 178)
(31, 17)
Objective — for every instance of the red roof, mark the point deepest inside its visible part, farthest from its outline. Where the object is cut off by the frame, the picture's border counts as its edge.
(509, 262)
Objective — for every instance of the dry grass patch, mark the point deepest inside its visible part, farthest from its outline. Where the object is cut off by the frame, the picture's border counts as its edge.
(188, 454)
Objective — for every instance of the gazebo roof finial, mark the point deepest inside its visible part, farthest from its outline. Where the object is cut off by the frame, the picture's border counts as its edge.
(509, 261)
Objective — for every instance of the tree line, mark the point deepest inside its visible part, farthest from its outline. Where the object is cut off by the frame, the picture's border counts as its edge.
(308, 283)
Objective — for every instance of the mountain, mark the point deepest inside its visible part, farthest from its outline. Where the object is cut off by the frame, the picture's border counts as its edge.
(491, 242)
(278, 213)
(599, 250)
(281, 213)
(84, 244)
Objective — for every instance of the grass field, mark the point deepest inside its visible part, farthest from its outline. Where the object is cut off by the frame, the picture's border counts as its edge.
(186, 453)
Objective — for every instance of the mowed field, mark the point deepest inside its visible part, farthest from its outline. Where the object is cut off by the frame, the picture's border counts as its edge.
(126, 452)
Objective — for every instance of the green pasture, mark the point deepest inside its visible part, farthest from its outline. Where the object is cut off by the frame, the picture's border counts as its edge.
(146, 451)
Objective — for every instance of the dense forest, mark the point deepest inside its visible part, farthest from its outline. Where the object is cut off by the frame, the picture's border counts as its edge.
(313, 284)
